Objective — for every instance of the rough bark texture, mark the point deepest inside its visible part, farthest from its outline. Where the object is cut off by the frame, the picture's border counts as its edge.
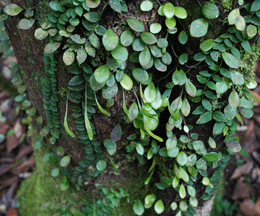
(29, 53)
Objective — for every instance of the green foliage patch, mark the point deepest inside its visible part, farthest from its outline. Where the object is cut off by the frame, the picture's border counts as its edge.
(221, 72)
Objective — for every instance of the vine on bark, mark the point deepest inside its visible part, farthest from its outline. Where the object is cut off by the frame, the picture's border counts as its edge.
(101, 59)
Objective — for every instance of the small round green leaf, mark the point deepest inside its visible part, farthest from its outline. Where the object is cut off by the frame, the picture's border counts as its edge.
(146, 5)
(148, 38)
(101, 165)
(150, 93)
(170, 23)
(159, 206)
(174, 206)
(180, 12)
(126, 38)
(168, 10)
(183, 58)
(230, 60)
(190, 88)
(115, 5)
(68, 57)
(116, 133)
(207, 45)
(183, 205)
(156, 104)
(222, 86)
(191, 190)
(150, 199)
(218, 128)
(138, 207)
(140, 75)
(109, 92)
(199, 27)
(155, 28)
(211, 157)
(247, 113)
(51, 47)
(251, 31)
(234, 16)
(81, 55)
(110, 146)
(210, 10)
(182, 191)
(167, 58)
(76, 80)
(182, 158)
(120, 53)
(193, 202)
(60, 151)
(183, 37)
(126, 82)
(159, 65)
(92, 3)
(135, 24)
(233, 145)
(40, 34)
(12, 9)
(145, 57)
(92, 16)
(241, 24)
(102, 74)
(65, 161)
(162, 43)
(26, 23)
(233, 99)
(110, 40)
(139, 148)
(138, 45)
(237, 77)
(55, 172)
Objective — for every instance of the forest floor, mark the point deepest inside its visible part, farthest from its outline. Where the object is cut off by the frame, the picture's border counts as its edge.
(239, 193)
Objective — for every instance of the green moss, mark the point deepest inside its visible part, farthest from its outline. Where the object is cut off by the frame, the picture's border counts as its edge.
(227, 4)
(219, 195)
(40, 194)
(249, 61)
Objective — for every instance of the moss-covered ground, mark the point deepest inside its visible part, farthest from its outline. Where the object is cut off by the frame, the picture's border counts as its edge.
(40, 194)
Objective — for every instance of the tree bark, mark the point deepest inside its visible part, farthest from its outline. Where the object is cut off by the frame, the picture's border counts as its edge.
(29, 53)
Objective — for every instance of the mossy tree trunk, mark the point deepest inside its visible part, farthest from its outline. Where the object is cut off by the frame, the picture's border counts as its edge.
(29, 53)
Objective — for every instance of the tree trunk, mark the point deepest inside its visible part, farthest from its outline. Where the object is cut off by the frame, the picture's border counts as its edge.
(130, 175)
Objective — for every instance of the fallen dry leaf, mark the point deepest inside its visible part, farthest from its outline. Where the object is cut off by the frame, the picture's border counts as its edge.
(5, 105)
(249, 139)
(4, 94)
(9, 59)
(256, 156)
(12, 212)
(243, 169)
(255, 173)
(256, 95)
(242, 190)
(8, 181)
(257, 118)
(6, 160)
(18, 129)
(6, 167)
(247, 207)
(25, 165)
(257, 207)
(4, 128)
(11, 142)
(26, 149)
